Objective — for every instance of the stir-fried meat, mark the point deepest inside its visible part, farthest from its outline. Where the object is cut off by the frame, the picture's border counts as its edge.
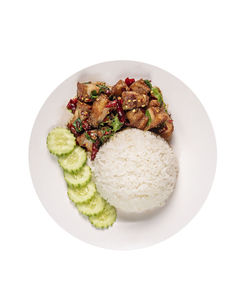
(99, 110)
(84, 142)
(154, 103)
(81, 90)
(132, 99)
(140, 86)
(167, 130)
(158, 116)
(137, 118)
(74, 118)
(84, 89)
(83, 110)
(119, 87)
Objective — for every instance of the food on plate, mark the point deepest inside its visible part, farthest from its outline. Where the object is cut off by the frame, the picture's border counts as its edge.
(105, 218)
(82, 194)
(78, 179)
(135, 171)
(114, 152)
(92, 207)
(74, 161)
(81, 190)
(60, 141)
(100, 110)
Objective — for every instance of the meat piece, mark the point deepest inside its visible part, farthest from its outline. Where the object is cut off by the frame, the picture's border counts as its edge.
(81, 90)
(84, 142)
(99, 110)
(140, 86)
(158, 116)
(167, 130)
(74, 118)
(84, 89)
(137, 118)
(83, 110)
(154, 103)
(132, 99)
(119, 87)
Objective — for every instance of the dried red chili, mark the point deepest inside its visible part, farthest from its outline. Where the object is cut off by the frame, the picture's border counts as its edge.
(95, 149)
(120, 111)
(129, 81)
(72, 105)
(86, 126)
(72, 129)
(111, 104)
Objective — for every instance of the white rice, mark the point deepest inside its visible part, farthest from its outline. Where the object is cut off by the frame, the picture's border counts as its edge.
(135, 171)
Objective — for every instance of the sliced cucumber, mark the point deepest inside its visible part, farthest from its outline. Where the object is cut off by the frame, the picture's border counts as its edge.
(104, 219)
(60, 141)
(79, 179)
(92, 207)
(83, 194)
(74, 161)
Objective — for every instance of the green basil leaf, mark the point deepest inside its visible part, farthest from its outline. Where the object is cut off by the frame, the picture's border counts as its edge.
(116, 124)
(78, 125)
(93, 94)
(88, 137)
(149, 117)
(157, 94)
(148, 83)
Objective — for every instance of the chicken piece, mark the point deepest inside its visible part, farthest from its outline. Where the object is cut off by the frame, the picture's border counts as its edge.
(154, 103)
(84, 89)
(140, 86)
(132, 99)
(137, 118)
(83, 110)
(119, 87)
(84, 142)
(167, 130)
(158, 116)
(99, 110)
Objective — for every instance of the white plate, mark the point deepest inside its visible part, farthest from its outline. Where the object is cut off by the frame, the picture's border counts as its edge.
(193, 141)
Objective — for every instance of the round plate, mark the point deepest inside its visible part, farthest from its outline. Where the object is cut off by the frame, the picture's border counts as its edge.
(193, 142)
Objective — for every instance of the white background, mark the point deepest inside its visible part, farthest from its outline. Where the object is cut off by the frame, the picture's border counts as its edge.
(205, 44)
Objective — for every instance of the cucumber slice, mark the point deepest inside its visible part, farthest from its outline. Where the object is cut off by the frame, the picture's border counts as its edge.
(60, 141)
(74, 161)
(79, 179)
(83, 194)
(92, 207)
(104, 219)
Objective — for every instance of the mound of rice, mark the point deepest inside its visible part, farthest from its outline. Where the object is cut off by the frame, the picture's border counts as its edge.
(135, 171)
